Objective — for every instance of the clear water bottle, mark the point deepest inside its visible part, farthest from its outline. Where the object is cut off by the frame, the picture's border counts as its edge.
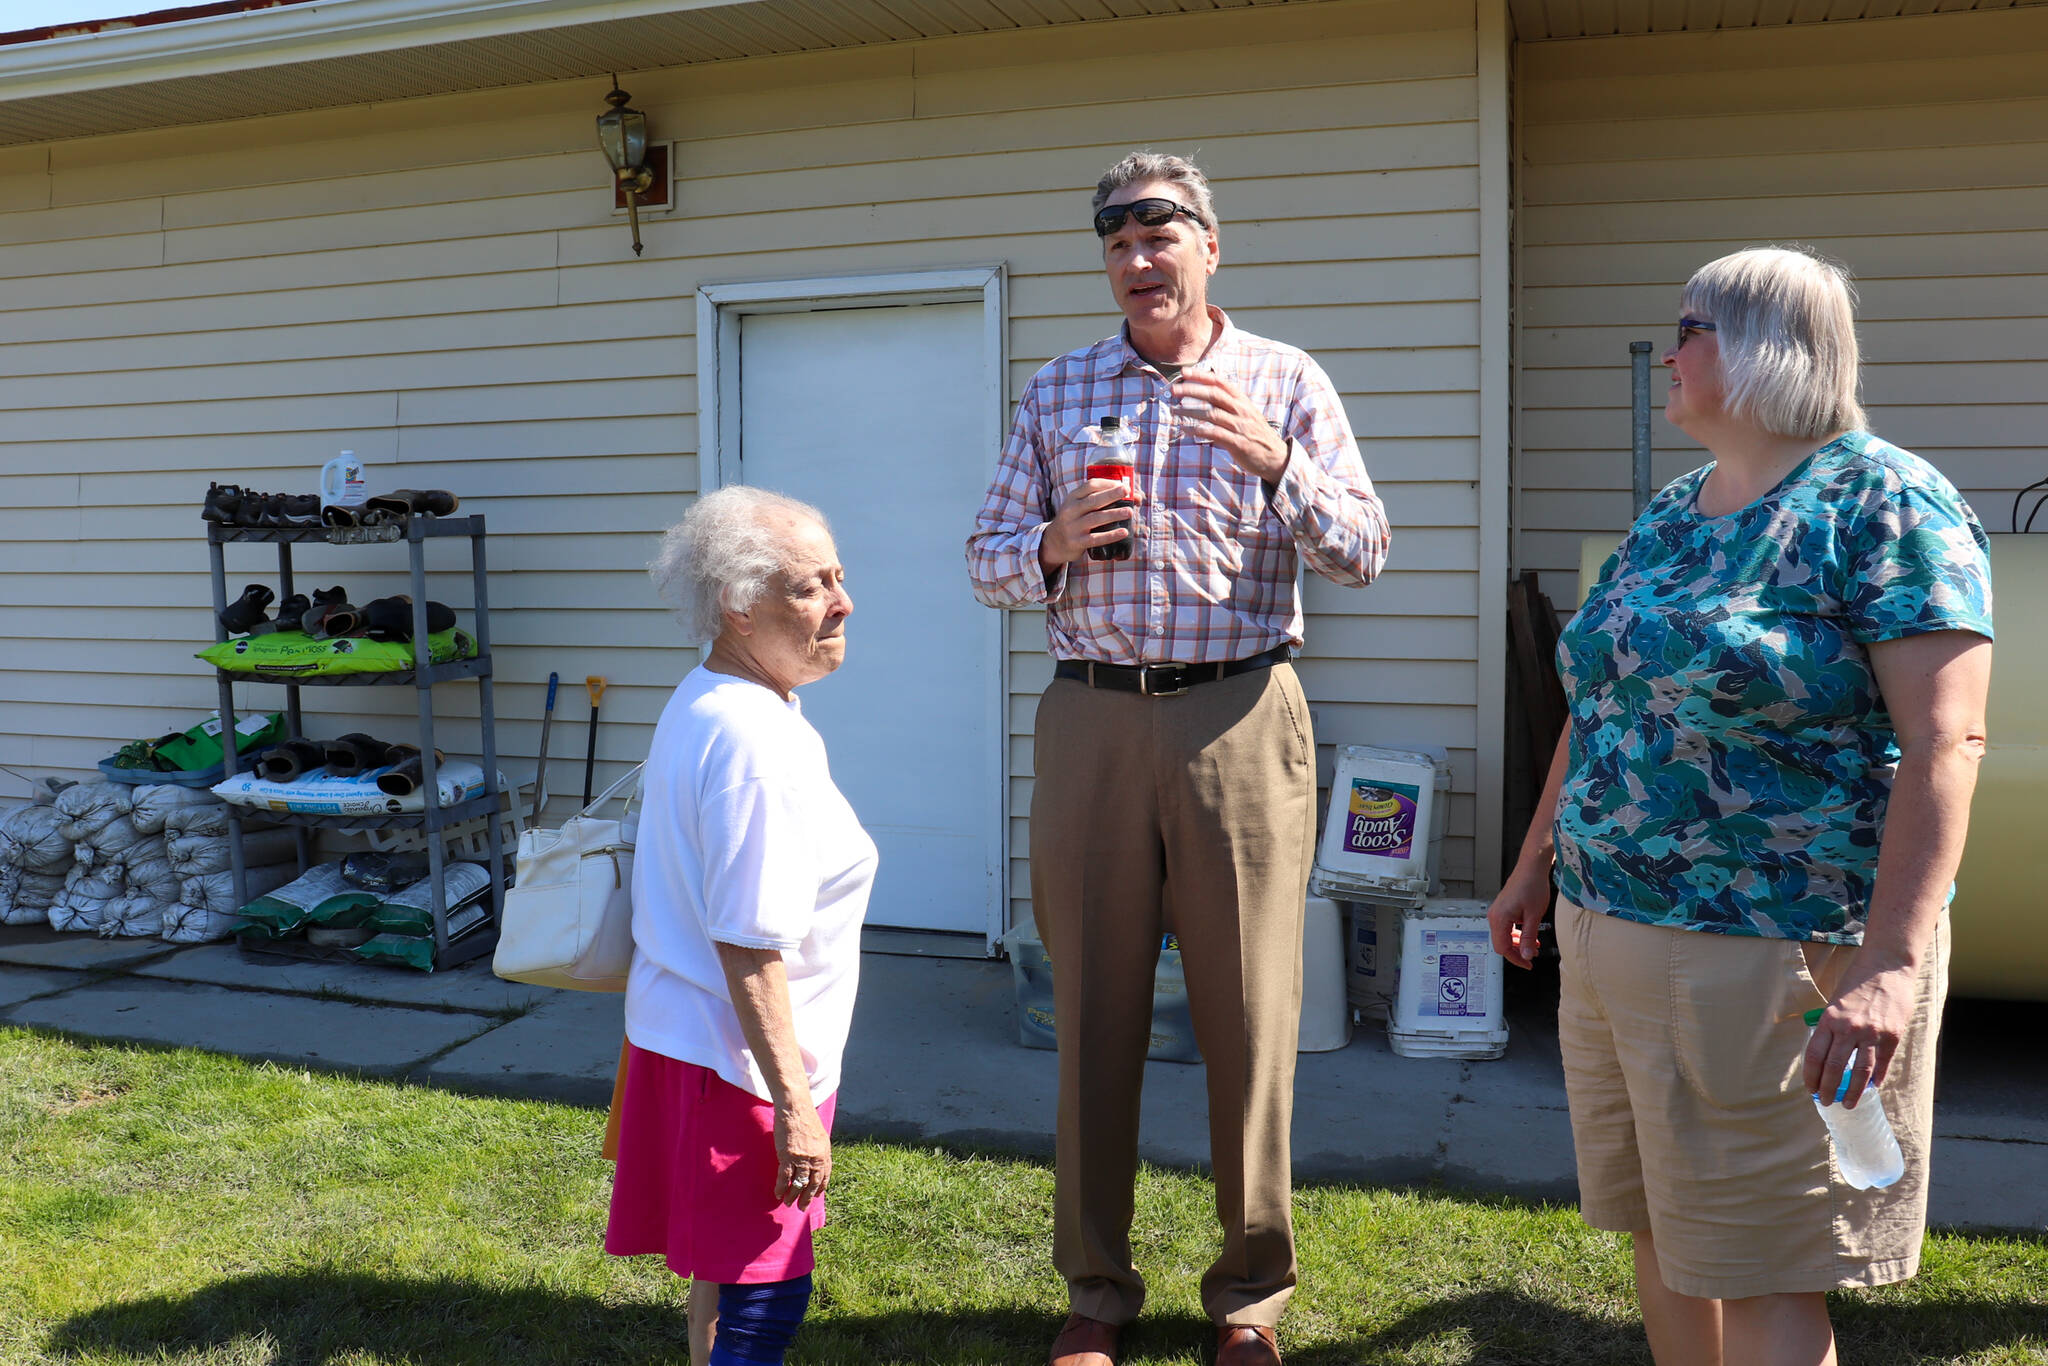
(1866, 1150)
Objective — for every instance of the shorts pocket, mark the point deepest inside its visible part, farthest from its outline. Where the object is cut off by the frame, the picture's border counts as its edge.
(1736, 1006)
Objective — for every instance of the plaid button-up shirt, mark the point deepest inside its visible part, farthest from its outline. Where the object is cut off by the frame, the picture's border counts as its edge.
(1211, 573)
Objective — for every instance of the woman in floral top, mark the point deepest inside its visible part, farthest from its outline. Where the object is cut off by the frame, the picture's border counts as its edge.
(1777, 693)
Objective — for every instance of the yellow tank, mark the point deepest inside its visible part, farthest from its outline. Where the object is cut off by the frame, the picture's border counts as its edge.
(2001, 905)
(2000, 897)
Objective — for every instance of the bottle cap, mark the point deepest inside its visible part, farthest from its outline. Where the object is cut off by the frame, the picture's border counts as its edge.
(1813, 1016)
(1110, 423)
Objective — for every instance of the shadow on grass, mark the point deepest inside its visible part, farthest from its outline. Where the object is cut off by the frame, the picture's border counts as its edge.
(1510, 1329)
(319, 1317)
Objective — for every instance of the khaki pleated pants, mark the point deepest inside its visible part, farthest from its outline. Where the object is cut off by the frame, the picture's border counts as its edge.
(1195, 813)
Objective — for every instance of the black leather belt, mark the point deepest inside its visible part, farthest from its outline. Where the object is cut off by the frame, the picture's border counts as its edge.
(1163, 680)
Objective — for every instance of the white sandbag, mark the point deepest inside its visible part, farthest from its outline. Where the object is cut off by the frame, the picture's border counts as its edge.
(145, 850)
(457, 779)
(101, 883)
(112, 844)
(89, 808)
(154, 802)
(83, 902)
(133, 916)
(216, 891)
(189, 924)
(29, 840)
(37, 891)
(154, 878)
(12, 913)
(182, 822)
(197, 855)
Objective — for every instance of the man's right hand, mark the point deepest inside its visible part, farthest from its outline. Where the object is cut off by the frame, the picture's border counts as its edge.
(1081, 523)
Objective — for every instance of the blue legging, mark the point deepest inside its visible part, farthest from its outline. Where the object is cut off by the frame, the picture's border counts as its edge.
(756, 1322)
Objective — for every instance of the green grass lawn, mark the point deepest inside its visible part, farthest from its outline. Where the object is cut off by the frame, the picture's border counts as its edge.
(182, 1207)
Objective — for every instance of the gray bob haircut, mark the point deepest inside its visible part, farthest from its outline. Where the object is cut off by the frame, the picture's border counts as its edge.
(1786, 323)
(722, 555)
(1139, 167)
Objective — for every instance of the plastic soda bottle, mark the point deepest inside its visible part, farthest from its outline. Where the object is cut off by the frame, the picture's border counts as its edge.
(1117, 459)
(1865, 1148)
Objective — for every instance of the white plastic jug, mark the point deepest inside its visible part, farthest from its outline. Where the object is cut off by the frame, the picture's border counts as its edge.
(343, 481)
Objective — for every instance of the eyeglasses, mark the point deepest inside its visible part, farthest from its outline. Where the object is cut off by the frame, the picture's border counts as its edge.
(1151, 213)
(1690, 325)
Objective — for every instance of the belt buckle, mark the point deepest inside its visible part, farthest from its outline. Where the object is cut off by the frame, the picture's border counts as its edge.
(1178, 673)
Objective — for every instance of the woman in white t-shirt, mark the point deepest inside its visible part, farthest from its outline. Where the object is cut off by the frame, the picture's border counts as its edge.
(750, 880)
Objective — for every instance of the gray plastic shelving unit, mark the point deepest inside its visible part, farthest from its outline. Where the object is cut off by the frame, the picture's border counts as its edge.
(435, 819)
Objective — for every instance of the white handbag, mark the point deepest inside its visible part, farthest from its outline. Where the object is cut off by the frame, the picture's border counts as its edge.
(569, 917)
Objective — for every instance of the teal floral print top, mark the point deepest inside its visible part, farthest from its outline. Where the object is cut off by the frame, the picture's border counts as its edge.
(1730, 757)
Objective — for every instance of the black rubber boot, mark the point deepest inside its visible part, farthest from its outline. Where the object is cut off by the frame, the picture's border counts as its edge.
(331, 615)
(354, 753)
(291, 613)
(410, 772)
(403, 503)
(391, 618)
(291, 759)
(245, 613)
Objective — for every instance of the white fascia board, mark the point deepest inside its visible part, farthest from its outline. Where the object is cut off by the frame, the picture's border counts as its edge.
(299, 33)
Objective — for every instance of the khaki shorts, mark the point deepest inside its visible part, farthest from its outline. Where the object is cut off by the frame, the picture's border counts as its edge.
(1682, 1060)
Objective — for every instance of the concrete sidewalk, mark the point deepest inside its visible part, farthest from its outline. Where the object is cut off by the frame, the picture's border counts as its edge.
(934, 1057)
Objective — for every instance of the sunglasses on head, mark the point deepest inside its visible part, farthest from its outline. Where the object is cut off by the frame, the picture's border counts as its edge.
(1150, 213)
(1688, 326)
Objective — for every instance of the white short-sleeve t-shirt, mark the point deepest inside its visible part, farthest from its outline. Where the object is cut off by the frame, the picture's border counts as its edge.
(743, 840)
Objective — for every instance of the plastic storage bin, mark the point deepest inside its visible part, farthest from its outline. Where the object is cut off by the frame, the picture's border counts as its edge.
(1448, 1001)
(1382, 840)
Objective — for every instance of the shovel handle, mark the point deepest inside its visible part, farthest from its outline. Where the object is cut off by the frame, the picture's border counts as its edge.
(595, 686)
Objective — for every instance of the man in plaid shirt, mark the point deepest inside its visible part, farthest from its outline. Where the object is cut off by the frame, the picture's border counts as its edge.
(1176, 784)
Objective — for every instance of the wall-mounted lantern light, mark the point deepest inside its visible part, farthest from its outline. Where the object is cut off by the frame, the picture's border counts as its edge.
(622, 132)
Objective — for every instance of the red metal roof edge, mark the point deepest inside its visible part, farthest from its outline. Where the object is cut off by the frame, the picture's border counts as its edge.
(180, 14)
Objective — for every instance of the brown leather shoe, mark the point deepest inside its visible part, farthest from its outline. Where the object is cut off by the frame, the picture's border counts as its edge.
(1244, 1344)
(1085, 1342)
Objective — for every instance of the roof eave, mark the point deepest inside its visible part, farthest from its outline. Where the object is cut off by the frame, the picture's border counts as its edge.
(275, 37)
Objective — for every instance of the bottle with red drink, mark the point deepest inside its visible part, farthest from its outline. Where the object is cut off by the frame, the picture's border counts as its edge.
(1117, 459)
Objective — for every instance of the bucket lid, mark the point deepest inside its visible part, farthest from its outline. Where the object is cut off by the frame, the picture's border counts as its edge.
(1461, 908)
(1388, 756)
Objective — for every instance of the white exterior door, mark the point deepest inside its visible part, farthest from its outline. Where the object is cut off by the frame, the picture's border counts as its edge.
(875, 415)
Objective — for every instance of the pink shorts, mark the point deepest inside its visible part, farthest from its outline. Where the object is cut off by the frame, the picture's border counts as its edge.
(696, 1178)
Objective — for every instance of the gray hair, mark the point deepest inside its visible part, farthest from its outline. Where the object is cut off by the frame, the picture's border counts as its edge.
(1785, 320)
(722, 555)
(1139, 167)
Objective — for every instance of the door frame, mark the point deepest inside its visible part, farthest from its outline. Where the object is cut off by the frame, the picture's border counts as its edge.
(720, 309)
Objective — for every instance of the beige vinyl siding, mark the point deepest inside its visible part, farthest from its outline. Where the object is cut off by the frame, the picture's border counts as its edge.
(438, 284)
(1912, 149)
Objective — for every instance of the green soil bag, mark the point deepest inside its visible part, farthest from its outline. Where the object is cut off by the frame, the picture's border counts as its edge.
(412, 910)
(287, 910)
(403, 949)
(293, 654)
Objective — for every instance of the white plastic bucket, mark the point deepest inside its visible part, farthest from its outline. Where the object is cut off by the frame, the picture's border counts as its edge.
(1448, 1001)
(1325, 1014)
(1372, 958)
(1381, 840)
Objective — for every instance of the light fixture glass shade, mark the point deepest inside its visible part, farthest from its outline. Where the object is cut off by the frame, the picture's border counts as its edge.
(622, 132)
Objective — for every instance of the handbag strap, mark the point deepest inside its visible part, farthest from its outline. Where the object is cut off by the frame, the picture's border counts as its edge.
(633, 777)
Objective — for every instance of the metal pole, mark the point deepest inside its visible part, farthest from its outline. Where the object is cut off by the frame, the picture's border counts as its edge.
(1639, 420)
